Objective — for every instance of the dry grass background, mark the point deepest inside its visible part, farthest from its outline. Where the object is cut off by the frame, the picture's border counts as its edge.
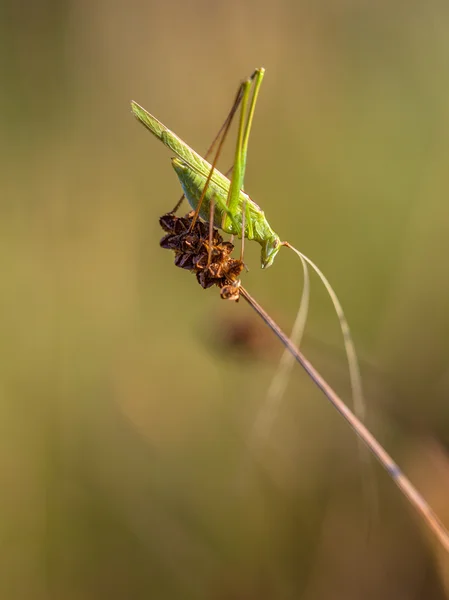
(123, 428)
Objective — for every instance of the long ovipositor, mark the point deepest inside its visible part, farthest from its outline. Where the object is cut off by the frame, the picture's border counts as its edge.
(193, 171)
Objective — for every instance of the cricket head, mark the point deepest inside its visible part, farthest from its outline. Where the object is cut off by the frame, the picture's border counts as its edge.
(269, 250)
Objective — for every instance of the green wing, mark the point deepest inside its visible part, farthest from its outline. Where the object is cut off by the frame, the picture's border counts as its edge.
(180, 148)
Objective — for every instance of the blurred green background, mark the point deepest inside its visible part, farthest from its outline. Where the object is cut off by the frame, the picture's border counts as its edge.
(125, 469)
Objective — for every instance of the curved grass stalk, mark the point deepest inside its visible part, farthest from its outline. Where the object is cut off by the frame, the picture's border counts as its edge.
(403, 483)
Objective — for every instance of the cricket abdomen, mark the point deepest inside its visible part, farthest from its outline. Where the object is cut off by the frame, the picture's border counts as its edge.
(192, 182)
(256, 225)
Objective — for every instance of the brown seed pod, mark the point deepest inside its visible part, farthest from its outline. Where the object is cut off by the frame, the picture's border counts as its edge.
(208, 256)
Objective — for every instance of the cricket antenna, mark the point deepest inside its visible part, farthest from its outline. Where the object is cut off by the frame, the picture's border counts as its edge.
(359, 404)
(268, 412)
(353, 363)
(276, 390)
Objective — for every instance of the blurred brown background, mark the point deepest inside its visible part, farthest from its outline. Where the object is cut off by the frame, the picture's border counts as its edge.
(124, 462)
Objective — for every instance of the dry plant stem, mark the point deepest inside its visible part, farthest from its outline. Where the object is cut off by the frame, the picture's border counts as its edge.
(403, 483)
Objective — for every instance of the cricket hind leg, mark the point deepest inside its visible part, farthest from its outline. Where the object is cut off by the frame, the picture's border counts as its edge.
(206, 156)
(220, 138)
(248, 105)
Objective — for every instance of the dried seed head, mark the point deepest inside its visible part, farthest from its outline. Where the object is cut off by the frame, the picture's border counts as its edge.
(208, 256)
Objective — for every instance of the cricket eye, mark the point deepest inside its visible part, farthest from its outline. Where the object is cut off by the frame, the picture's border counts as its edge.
(275, 243)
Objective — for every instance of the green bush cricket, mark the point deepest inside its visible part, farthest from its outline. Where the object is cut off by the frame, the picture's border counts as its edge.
(212, 194)
(235, 212)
